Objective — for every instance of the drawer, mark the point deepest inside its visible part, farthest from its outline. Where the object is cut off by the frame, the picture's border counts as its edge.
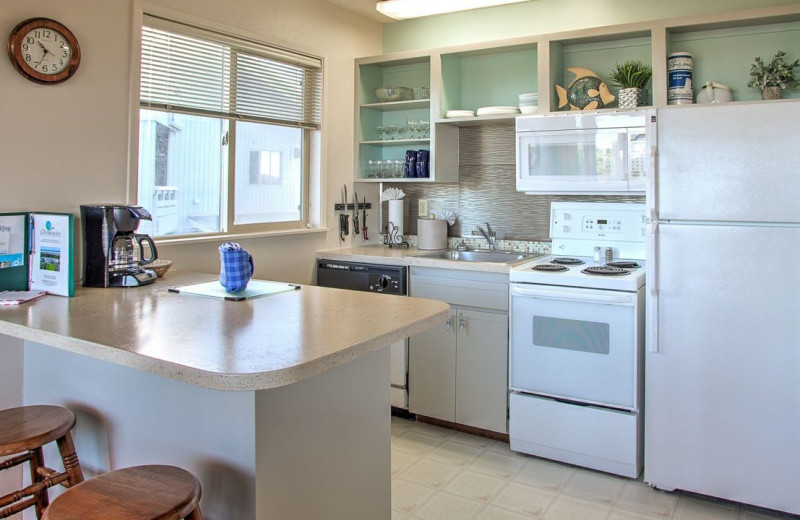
(466, 288)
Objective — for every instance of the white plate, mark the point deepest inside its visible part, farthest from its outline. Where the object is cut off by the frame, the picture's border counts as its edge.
(497, 111)
(459, 113)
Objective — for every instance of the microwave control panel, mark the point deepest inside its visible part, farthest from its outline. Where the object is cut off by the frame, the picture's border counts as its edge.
(637, 153)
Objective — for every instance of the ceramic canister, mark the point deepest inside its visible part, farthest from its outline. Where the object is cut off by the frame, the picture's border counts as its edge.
(679, 71)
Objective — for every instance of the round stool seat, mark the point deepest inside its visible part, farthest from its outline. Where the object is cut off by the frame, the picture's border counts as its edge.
(135, 493)
(29, 427)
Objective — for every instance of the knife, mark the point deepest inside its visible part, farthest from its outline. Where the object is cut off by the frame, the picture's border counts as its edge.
(344, 224)
(356, 231)
(364, 219)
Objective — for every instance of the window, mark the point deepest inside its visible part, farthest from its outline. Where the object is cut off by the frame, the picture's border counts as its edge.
(225, 131)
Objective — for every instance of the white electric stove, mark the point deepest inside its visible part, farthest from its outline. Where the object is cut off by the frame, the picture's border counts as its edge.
(577, 338)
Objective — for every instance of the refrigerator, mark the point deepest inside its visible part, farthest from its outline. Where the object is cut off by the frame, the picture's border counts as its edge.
(722, 365)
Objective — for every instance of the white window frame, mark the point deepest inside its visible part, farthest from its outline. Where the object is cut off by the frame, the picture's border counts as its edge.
(312, 142)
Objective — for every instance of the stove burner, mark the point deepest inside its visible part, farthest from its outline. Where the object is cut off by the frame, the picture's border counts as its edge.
(568, 261)
(603, 270)
(552, 268)
(624, 265)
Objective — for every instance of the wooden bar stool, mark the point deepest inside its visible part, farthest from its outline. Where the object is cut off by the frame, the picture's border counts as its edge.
(23, 433)
(135, 493)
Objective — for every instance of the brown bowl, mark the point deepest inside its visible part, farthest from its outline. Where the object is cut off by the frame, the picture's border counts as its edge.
(160, 266)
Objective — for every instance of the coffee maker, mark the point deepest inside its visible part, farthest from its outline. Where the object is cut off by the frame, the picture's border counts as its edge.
(113, 253)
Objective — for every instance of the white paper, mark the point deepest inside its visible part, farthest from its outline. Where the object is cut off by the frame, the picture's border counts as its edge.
(12, 241)
(50, 263)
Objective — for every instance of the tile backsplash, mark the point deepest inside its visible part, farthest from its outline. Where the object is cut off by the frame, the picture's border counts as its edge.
(486, 191)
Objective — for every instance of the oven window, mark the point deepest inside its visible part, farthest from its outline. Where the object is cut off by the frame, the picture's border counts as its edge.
(579, 335)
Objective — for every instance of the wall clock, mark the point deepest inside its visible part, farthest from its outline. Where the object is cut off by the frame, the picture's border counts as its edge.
(44, 50)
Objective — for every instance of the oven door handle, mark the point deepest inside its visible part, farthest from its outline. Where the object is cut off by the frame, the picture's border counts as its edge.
(615, 299)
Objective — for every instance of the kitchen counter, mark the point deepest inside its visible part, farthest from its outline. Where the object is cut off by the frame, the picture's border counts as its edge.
(380, 254)
(249, 345)
(255, 397)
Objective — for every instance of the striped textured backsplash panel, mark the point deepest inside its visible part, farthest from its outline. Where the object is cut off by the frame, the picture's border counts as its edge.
(486, 190)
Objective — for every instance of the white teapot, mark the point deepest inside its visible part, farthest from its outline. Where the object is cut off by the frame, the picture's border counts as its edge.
(713, 92)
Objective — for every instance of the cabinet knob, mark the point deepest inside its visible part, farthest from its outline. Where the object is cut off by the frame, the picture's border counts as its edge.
(462, 322)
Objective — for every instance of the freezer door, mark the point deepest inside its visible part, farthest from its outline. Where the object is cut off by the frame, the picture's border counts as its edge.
(731, 162)
(722, 395)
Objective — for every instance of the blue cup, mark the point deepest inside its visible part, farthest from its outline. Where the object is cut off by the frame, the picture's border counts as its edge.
(411, 163)
(423, 161)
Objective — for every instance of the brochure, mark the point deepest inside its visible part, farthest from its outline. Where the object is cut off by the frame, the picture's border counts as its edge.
(37, 252)
(14, 251)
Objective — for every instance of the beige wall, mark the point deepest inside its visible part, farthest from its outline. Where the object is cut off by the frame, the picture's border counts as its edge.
(67, 144)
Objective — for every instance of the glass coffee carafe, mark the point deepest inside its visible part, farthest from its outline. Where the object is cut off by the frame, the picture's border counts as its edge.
(128, 252)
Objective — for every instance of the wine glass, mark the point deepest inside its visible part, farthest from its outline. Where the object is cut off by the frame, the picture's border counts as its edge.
(413, 126)
(424, 126)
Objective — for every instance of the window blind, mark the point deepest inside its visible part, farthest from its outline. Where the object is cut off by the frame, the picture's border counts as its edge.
(197, 71)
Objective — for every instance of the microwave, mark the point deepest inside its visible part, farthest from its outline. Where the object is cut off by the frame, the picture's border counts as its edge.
(583, 153)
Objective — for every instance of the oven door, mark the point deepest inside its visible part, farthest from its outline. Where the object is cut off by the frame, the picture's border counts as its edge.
(576, 344)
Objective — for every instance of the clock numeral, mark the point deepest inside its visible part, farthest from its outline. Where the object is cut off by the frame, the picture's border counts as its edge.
(27, 57)
(66, 54)
(29, 39)
(24, 46)
(44, 68)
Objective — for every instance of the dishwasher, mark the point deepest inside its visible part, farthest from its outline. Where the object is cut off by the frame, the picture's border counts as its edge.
(387, 279)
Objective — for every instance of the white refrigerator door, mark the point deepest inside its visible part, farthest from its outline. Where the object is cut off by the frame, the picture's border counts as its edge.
(728, 163)
(723, 382)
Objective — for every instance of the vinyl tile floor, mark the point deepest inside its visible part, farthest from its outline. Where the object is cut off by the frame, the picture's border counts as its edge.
(441, 474)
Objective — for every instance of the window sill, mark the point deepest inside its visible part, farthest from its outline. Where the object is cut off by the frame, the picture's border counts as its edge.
(228, 237)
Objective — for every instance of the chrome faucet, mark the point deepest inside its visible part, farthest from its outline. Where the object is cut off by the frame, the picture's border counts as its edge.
(489, 235)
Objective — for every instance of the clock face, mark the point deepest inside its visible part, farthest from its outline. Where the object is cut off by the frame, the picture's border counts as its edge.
(44, 50)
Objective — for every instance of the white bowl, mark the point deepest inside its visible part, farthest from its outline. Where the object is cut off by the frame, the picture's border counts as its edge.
(528, 109)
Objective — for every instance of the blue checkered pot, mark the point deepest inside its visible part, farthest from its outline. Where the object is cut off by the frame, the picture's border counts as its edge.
(236, 267)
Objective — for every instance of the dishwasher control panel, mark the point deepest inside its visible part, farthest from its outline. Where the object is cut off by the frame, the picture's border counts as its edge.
(389, 279)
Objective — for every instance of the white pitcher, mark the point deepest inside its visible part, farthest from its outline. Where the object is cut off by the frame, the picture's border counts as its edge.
(713, 92)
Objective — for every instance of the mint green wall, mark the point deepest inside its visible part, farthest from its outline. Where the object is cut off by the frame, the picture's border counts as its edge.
(545, 16)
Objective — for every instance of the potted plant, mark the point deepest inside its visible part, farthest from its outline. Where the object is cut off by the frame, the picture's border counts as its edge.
(631, 77)
(774, 76)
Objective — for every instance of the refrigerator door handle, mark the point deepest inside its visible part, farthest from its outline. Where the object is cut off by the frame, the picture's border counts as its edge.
(651, 188)
(652, 287)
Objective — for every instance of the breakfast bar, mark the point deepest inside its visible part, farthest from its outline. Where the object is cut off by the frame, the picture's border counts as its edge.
(280, 405)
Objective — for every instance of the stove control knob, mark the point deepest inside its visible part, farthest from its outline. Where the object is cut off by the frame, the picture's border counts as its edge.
(383, 282)
(565, 216)
(564, 228)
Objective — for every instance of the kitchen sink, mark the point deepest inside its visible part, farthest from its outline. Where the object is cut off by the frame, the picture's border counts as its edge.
(478, 255)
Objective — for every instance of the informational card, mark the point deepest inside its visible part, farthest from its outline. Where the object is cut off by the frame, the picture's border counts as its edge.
(52, 255)
(14, 252)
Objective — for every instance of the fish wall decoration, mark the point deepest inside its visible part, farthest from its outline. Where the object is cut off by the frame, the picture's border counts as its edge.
(586, 92)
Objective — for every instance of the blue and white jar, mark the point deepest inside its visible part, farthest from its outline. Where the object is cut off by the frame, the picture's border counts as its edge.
(679, 74)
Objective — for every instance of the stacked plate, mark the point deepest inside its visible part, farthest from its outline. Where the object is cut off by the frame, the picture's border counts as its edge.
(459, 113)
(529, 103)
(497, 111)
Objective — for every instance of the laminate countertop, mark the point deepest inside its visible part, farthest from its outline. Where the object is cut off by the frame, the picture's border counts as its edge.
(380, 254)
(255, 344)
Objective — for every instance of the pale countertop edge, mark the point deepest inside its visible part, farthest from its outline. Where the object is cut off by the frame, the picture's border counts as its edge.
(405, 257)
(222, 381)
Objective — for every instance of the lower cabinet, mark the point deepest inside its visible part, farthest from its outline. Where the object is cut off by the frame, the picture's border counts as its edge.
(458, 371)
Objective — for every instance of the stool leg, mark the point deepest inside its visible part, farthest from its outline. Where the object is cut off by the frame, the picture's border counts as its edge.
(72, 465)
(36, 462)
(195, 515)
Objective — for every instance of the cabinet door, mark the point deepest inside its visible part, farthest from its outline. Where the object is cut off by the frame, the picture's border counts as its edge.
(432, 371)
(482, 369)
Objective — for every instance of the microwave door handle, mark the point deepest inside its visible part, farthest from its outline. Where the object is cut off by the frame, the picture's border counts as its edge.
(619, 299)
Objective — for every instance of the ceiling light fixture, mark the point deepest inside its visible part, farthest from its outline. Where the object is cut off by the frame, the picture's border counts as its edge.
(402, 9)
